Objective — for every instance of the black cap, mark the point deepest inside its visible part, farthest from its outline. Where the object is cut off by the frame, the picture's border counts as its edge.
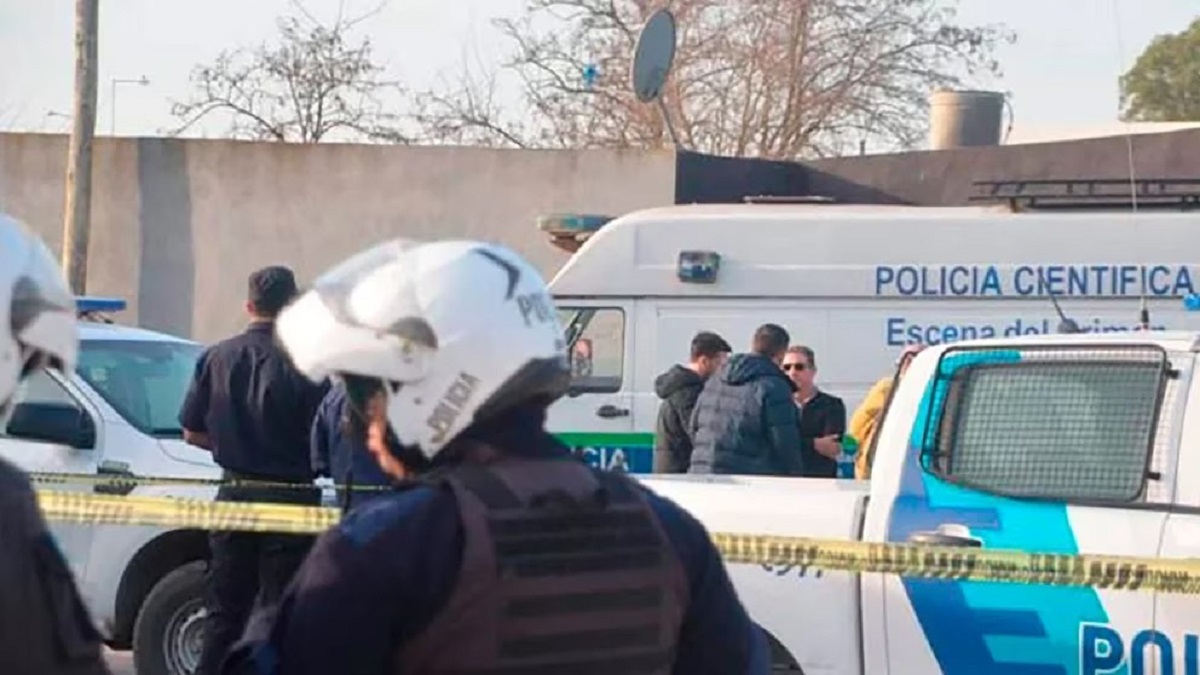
(707, 343)
(271, 289)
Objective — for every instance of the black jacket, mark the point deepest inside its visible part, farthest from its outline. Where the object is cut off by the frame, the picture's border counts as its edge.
(44, 626)
(678, 388)
(823, 415)
(745, 421)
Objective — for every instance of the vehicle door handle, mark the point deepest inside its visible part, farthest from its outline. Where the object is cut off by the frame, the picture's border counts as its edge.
(609, 410)
(114, 488)
(946, 535)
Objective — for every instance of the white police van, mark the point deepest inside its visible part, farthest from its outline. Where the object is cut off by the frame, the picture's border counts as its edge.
(118, 415)
(855, 283)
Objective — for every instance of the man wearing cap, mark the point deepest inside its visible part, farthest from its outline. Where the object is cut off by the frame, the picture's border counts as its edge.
(253, 410)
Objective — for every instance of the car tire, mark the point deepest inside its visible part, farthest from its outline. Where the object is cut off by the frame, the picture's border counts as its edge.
(169, 631)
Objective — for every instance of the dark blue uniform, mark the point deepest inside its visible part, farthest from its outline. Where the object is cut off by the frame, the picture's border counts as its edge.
(256, 410)
(44, 626)
(255, 407)
(379, 578)
(344, 459)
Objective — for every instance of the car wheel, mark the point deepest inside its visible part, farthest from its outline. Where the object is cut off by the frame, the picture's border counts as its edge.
(169, 632)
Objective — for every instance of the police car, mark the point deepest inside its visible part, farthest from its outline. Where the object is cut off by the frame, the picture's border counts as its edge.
(117, 416)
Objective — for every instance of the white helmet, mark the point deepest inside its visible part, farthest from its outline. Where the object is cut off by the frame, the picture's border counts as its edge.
(457, 330)
(37, 312)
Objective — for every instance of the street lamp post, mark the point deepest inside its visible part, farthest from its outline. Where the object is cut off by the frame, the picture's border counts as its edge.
(112, 101)
(61, 115)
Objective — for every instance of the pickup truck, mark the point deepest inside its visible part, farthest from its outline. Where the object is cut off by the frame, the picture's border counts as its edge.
(1069, 444)
(117, 416)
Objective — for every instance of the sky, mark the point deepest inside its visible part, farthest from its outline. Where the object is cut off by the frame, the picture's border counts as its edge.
(1061, 73)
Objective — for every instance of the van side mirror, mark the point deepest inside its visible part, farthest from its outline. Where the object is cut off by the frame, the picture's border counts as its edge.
(57, 423)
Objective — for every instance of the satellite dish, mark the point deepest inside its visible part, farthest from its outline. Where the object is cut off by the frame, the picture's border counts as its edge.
(653, 55)
(652, 59)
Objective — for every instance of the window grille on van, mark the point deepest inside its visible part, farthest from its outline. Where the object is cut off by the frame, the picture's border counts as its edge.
(1066, 423)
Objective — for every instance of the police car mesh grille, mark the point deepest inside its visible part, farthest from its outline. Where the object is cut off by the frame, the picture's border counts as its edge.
(1065, 424)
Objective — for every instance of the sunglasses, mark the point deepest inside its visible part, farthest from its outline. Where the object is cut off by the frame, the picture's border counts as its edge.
(799, 367)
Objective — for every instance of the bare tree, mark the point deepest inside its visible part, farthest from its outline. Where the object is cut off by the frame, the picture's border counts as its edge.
(316, 84)
(769, 78)
(468, 110)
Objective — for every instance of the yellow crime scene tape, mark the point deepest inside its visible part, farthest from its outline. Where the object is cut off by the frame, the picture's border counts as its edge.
(51, 478)
(81, 507)
(1181, 576)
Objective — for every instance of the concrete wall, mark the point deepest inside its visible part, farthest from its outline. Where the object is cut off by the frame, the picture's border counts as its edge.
(178, 225)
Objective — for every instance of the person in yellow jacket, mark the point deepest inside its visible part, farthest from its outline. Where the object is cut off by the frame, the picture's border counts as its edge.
(866, 419)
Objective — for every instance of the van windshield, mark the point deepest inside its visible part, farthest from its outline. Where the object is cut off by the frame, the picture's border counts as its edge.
(144, 381)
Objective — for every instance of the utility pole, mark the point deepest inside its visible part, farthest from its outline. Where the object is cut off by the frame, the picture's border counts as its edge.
(77, 216)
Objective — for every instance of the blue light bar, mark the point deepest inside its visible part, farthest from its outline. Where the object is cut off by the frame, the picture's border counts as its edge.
(1191, 302)
(86, 304)
(572, 223)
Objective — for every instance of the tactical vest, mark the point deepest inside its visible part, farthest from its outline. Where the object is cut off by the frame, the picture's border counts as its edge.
(565, 570)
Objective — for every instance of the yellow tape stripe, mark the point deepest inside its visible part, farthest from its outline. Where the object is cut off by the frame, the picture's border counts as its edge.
(1111, 572)
(79, 507)
(49, 478)
(962, 563)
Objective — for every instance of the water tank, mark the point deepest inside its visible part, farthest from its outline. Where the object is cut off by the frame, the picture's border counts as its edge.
(964, 118)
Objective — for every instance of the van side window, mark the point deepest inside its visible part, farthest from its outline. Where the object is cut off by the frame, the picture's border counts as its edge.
(1067, 429)
(598, 355)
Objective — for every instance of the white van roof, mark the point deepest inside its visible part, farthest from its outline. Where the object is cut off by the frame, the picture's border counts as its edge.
(837, 251)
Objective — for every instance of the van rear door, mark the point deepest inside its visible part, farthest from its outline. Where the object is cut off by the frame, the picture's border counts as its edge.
(596, 417)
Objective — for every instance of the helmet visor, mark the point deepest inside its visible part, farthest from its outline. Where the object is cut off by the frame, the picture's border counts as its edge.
(362, 317)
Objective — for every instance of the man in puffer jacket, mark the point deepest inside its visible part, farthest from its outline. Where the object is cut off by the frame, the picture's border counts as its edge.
(745, 421)
(679, 388)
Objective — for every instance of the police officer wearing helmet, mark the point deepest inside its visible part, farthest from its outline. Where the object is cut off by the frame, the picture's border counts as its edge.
(44, 627)
(508, 555)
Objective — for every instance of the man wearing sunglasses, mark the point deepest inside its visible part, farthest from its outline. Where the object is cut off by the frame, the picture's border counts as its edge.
(822, 416)
(44, 627)
(507, 555)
